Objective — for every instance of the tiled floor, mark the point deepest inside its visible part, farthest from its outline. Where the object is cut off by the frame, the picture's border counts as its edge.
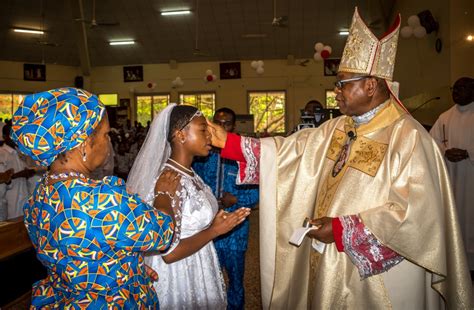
(252, 267)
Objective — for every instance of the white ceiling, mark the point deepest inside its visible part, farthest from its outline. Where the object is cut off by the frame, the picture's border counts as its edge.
(221, 25)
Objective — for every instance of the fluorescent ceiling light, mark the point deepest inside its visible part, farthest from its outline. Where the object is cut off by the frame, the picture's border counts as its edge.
(124, 42)
(343, 33)
(28, 31)
(180, 12)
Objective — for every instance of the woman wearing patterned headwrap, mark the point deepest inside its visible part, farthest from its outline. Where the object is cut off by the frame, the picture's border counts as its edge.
(90, 234)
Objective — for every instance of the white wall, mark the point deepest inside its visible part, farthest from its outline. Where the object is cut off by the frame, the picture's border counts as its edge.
(11, 77)
(300, 83)
(422, 72)
(419, 67)
(462, 51)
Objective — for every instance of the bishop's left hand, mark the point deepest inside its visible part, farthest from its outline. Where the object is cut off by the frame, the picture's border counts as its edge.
(324, 232)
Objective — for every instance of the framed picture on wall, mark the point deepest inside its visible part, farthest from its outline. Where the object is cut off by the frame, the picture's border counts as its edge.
(133, 74)
(331, 66)
(34, 72)
(124, 102)
(229, 70)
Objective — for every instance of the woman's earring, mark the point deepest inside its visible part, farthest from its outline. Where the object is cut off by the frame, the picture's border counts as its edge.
(84, 156)
(182, 141)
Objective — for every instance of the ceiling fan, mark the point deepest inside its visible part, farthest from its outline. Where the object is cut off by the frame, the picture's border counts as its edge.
(279, 21)
(303, 62)
(93, 21)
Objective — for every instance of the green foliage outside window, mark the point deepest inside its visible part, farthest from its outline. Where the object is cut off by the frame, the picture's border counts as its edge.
(149, 106)
(331, 100)
(268, 109)
(205, 102)
(8, 104)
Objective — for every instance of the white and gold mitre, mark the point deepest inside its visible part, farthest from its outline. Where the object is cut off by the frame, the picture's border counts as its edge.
(365, 54)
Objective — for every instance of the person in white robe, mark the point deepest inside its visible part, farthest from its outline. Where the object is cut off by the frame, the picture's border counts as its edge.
(454, 134)
(16, 192)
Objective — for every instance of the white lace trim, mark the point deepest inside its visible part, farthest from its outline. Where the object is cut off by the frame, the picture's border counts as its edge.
(368, 116)
(248, 146)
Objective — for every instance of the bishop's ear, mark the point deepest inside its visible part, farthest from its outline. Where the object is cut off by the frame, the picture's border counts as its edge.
(371, 86)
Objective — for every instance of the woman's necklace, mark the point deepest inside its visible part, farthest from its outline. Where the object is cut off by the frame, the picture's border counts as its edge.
(179, 165)
(63, 175)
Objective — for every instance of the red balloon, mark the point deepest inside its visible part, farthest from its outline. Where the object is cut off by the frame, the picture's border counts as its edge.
(325, 54)
(209, 78)
(150, 85)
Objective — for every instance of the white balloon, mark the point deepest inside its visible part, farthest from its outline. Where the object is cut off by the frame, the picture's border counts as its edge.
(317, 57)
(413, 21)
(406, 32)
(260, 63)
(318, 47)
(254, 64)
(419, 32)
(208, 72)
(327, 48)
(260, 70)
(214, 77)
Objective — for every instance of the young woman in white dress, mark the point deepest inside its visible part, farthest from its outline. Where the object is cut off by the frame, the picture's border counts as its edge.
(189, 272)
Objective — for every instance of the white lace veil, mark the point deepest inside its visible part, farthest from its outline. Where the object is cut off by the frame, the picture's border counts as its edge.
(153, 154)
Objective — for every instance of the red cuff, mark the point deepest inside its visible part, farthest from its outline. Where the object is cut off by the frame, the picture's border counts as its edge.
(232, 149)
(337, 233)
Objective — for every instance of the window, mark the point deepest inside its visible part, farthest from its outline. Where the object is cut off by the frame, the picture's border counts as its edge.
(268, 109)
(9, 103)
(331, 100)
(109, 99)
(206, 102)
(149, 106)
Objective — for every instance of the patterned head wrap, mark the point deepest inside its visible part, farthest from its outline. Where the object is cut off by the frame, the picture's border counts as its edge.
(49, 123)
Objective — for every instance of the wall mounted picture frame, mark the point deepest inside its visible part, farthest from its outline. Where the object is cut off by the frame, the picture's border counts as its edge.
(229, 70)
(331, 65)
(124, 102)
(34, 72)
(133, 74)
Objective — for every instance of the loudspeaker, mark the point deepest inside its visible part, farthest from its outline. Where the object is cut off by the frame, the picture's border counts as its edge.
(79, 82)
(427, 20)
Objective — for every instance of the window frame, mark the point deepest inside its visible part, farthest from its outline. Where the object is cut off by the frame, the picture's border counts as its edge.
(151, 95)
(199, 93)
(13, 93)
(285, 92)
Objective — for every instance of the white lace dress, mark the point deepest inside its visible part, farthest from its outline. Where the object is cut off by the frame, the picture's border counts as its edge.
(195, 282)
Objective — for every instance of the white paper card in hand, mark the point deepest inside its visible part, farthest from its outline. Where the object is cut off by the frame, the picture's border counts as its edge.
(318, 246)
(299, 234)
